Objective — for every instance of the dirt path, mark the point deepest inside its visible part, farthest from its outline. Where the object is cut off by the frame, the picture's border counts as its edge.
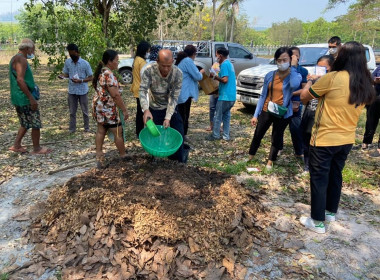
(19, 201)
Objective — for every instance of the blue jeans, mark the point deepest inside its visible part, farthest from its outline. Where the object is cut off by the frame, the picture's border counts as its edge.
(213, 100)
(222, 114)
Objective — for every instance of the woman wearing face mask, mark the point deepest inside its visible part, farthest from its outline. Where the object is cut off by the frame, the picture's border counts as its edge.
(189, 90)
(138, 64)
(342, 94)
(309, 113)
(278, 88)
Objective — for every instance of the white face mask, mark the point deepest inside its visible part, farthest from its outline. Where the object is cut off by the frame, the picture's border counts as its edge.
(30, 56)
(147, 55)
(333, 50)
(284, 66)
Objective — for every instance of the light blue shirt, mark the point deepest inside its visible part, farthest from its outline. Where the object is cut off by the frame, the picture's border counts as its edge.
(227, 91)
(191, 76)
(83, 69)
(289, 85)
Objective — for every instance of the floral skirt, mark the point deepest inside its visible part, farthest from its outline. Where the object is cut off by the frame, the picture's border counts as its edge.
(105, 112)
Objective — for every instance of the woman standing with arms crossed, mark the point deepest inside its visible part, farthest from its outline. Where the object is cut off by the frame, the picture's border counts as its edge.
(138, 64)
(342, 94)
(107, 98)
(278, 88)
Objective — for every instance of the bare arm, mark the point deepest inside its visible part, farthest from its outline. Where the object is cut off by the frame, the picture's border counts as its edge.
(298, 92)
(305, 94)
(20, 64)
(114, 92)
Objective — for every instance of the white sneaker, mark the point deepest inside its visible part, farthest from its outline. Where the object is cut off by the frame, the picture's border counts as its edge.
(316, 226)
(330, 216)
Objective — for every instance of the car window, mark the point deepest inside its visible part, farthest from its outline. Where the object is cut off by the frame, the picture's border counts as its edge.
(236, 52)
(310, 55)
(367, 56)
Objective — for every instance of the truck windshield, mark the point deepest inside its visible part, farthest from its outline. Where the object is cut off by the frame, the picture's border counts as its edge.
(310, 55)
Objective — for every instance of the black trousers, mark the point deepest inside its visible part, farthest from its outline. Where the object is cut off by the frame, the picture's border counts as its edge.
(326, 165)
(373, 116)
(184, 111)
(264, 121)
(306, 127)
(177, 124)
(139, 117)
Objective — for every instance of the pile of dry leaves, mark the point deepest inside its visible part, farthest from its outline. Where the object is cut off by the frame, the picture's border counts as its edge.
(148, 219)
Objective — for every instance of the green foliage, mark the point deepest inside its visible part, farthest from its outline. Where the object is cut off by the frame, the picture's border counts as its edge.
(95, 25)
(285, 33)
(9, 31)
(58, 26)
(4, 276)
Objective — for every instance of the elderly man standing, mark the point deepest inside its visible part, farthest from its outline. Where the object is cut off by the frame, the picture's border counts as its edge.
(162, 81)
(79, 73)
(22, 85)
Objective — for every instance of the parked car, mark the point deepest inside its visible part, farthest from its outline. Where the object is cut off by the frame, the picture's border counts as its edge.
(240, 57)
(251, 81)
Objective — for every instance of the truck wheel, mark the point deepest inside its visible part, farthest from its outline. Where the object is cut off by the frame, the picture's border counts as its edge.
(126, 76)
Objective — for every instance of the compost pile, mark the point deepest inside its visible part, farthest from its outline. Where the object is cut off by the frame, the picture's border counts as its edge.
(142, 218)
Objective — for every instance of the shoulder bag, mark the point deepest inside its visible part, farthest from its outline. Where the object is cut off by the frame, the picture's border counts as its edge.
(273, 108)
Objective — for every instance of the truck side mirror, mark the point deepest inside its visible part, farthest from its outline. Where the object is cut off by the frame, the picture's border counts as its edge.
(249, 56)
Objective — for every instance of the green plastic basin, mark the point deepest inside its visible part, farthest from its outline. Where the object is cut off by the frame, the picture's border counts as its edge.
(164, 145)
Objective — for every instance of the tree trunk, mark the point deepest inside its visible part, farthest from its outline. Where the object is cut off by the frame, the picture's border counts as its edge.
(213, 20)
(104, 9)
(225, 38)
(232, 28)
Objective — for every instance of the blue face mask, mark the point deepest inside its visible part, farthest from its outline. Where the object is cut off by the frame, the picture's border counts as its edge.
(30, 56)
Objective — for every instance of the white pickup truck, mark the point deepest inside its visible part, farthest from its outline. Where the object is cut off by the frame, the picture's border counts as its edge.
(250, 81)
(240, 57)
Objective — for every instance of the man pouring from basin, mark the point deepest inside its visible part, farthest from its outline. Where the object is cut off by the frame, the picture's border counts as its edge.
(160, 87)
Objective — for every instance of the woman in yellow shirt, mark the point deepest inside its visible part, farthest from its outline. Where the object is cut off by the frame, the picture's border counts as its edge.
(341, 94)
(138, 64)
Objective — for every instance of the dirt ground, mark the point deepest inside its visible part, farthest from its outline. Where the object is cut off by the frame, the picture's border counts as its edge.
(349, 250)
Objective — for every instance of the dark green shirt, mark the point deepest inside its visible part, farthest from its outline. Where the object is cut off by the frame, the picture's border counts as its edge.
(18, 97)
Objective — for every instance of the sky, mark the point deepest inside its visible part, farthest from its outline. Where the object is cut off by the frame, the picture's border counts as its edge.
(261, 12)
(265, 12)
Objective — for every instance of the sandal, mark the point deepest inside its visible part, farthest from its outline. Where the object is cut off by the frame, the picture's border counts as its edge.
(20, 150)
(42, 151)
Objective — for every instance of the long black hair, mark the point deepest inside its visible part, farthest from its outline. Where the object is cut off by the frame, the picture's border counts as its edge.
(142, 48)
(108, 55)
(189, 51)
(352, 59)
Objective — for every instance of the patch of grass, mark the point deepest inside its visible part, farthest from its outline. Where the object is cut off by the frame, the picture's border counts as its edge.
(58, 274)
(353, 174)
(4, 276)
(252, 183)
